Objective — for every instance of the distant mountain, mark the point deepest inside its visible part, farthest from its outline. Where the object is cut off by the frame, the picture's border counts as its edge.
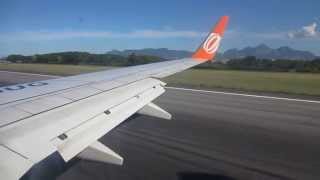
(263, 51)
(2, 57)
(161, 52)
(260, 51)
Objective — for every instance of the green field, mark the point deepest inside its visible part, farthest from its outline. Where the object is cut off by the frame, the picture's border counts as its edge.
(283, 82)
(52, 69)
(291, 83)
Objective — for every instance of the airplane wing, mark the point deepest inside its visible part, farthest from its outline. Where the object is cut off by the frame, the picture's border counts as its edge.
(68, 115)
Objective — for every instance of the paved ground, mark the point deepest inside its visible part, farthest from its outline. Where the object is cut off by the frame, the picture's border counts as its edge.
(240, 137)
(8, 78)
(237, 137)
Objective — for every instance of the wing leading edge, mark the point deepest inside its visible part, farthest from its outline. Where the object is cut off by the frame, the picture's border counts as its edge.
(68, 115)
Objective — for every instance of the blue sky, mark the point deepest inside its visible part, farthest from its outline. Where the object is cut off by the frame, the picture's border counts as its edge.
(40, 26)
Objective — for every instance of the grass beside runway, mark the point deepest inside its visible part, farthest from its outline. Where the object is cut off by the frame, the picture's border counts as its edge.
(291, 83)
(52, 69)
(280, 82)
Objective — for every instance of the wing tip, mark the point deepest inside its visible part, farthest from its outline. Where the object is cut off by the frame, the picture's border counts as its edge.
(209, 47)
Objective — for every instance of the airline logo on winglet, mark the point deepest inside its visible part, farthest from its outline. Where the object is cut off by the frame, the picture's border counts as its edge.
(210, 46)
(212, 43)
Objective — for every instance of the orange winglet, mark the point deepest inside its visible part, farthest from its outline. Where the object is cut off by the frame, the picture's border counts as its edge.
(209, 47)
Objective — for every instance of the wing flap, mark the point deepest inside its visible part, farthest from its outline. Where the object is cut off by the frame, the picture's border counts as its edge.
(82, 136)
(49, 125)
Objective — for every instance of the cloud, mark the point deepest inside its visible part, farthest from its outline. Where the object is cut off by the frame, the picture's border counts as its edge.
(305, 32)
(309, 31)
(269, 35)
(245, 35)
(58, 35)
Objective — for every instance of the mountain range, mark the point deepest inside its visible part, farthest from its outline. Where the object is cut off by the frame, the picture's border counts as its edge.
(261, 51)
(264, 52)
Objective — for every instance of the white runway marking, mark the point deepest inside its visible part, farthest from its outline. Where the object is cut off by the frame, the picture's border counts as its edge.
(245, 95)
(30, 74)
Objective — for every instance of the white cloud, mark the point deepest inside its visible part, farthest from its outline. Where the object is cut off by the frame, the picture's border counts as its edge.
(240, 34)
(309, 31)
(269, 35)
(56, 35)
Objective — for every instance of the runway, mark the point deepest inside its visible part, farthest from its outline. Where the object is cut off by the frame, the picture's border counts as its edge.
(212, 136)
(240, 137)
(9, 78)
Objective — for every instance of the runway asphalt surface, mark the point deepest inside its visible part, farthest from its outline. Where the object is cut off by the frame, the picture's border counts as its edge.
(212, 136)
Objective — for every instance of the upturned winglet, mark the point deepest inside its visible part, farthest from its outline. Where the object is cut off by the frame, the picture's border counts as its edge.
(209, 47)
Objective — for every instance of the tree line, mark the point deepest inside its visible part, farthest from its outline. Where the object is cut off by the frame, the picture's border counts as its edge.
(246, 63)
(84, 58)
(256, 64)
